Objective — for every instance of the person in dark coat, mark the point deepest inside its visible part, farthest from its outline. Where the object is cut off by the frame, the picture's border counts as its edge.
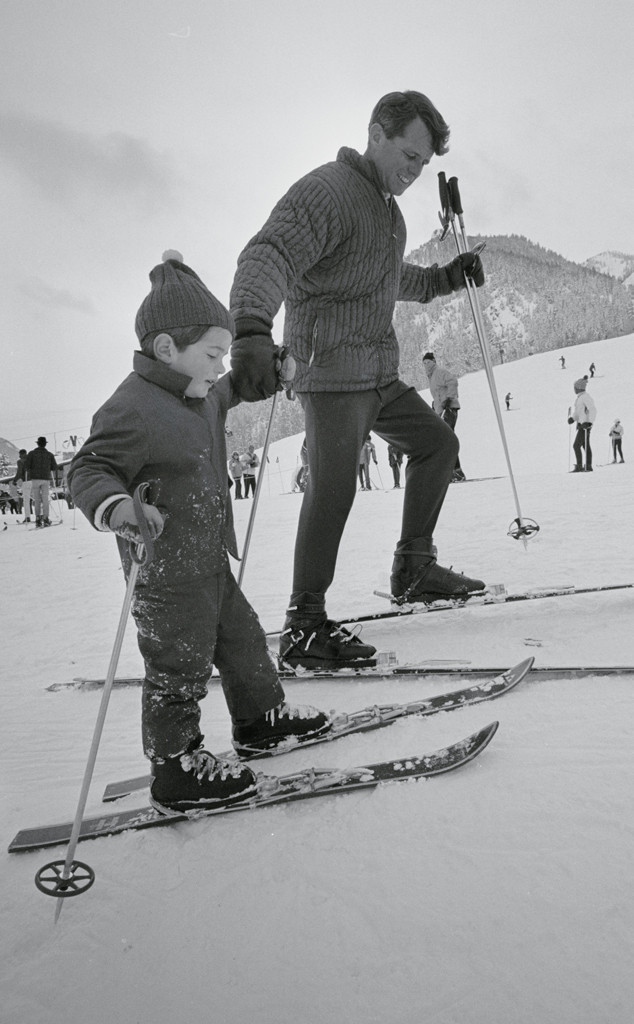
(395, 460)
(23, 485)
(368, 455)
(164, 427)
(332, 250)
(39, 466)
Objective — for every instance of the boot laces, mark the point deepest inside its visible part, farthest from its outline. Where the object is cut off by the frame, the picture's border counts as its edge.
(345, 636)
(205, 766)
(283, 711)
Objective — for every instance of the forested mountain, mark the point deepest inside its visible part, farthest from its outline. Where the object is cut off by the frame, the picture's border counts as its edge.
(533, 300)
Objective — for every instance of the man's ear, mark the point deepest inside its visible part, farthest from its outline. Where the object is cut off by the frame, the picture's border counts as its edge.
(164, 348)
(376, 133)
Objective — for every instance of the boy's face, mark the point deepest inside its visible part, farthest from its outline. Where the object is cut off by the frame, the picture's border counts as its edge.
(203, 361)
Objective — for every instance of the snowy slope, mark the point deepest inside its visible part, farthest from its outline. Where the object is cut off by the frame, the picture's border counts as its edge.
(500, 893)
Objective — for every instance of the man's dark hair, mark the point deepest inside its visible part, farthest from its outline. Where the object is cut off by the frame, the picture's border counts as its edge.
(398, 109)
(182, 337)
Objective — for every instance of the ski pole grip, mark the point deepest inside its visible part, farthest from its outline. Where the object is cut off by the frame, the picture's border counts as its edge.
(444, 194)
(454, 196)
(143, 552)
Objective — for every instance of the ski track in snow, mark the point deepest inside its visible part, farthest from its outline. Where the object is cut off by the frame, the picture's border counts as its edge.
(499, 893)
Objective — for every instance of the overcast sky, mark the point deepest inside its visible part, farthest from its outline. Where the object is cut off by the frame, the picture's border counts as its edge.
(131, 126)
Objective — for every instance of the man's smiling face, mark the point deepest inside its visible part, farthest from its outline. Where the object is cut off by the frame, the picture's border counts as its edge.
(400, 160)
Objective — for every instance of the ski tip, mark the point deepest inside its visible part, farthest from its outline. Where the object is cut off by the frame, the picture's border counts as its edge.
(525, 666)
(488, 732)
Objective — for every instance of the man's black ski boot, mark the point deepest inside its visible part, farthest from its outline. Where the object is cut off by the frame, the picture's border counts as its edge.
(311, 640)
(197, 780)
(275, 726)
(416, 576)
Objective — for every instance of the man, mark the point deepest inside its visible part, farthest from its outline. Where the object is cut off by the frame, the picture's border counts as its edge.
(24, 486)
(584, 414)
(332, 251)
(395, 459)
(444, 392)
(368, 454)
(39, 466)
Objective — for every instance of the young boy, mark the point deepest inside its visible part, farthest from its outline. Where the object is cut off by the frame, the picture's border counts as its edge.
(165, 426)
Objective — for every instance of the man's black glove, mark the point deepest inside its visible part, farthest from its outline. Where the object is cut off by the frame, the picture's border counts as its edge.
(254, 360)
(586, 426)
(466, 263)
(571, 419)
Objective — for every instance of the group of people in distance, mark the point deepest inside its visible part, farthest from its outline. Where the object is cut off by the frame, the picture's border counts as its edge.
(243, 469)
(28, 493)
(332, 251)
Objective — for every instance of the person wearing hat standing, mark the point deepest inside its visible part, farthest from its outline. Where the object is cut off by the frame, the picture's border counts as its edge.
(164, 427)
(584, 413)
(39, 466)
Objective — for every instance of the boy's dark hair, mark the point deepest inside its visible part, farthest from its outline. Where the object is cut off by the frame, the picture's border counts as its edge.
(182, 337)
(396, 110)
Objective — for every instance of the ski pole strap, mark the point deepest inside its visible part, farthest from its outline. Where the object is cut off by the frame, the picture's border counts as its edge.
(141, 552)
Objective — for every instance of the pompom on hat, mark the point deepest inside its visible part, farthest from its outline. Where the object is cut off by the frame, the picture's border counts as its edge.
(178, 298)
(581, 384)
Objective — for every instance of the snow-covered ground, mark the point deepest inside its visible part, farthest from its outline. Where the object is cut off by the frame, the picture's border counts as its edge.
(500, 893)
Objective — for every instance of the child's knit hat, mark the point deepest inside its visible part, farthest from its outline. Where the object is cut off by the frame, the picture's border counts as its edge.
(581, 384)
(179, 298)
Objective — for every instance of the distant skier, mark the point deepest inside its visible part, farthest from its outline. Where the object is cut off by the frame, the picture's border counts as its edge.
(508, 399)
(368, 452)
(616, 436)
(592, 368)
(300, 479)
(40, 467)
(395, 459)
(563, 362)
(250, 463)
(444, 392)
(584, 415)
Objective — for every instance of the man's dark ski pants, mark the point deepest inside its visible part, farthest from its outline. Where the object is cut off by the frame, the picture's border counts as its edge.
(337, 424)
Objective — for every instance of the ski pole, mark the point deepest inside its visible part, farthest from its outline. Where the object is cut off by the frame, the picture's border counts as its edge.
(286, 370)
(71, 877)
(256, 493)
(452, 208)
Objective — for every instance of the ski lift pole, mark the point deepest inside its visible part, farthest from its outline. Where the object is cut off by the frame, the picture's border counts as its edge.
(452, 208)
(71, 877)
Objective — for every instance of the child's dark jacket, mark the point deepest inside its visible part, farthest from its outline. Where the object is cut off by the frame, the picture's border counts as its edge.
(148, 431)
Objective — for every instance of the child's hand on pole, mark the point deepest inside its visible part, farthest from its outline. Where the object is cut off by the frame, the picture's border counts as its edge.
(124, 522)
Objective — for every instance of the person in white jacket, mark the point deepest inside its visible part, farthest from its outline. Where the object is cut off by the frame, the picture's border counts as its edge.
(616, 437)
(583, 414)
(444, 392)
